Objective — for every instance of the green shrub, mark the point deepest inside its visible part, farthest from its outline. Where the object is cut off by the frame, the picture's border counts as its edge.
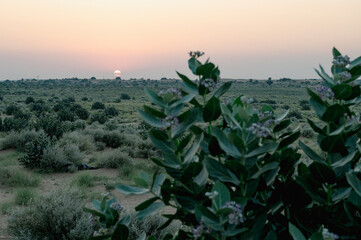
(57, 215)
(149, 226)
(98, 105)
(19, 139)
(111, 111)
(100, 117)
(295, 114)
(307, 133)
(24, 195)
(34, 151)
(18, 178)
(233, 173)
(111, 159)
(124, 96)
(29, 100)
(14, 124)
(84, 142)
(84, 180)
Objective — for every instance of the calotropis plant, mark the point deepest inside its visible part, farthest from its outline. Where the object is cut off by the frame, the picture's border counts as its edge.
(230, 171)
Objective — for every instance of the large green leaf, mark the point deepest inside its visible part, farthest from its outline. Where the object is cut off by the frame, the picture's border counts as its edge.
(151, 120)
(263, 149)
(322, 172)
(223, 89)
(354, 181)
(192, 150)
(205, 69)
(121, 232)
(289, 140)
(189, 118)
(193, 64)
(154, 97)
(225, 143)
(188, 85)
(355, 62)
(218, 171)
(268, 167)
(223, 195)
(310, 153)
(212, 110)
(295, 232)
(154, 112)
(343, 161)
(131, 190)
(333, 113)
(160, 140)
(146, 204)
(150, 210)
(282, 125)
(342, 91)
(315, 127)
(185, 99)
(158, 180)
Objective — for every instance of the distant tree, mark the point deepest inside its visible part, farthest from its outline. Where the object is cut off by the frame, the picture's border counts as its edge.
(93, 78)
(124, 96)
(98, 105)
(29, 100)
(163, 78)
(118, 78)
(269, 81)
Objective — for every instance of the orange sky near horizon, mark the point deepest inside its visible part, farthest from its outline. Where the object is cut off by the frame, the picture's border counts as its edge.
(142, 38)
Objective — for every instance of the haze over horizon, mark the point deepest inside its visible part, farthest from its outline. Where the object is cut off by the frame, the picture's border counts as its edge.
(151, 39)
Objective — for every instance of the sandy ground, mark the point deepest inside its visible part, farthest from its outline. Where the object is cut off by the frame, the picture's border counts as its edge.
(57, 180)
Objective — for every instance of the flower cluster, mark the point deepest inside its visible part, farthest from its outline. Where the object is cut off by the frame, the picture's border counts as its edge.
(170, 121)
(175, 91)
(341, 61)
(209, 83)
(247, 100)
(116, 206)
(92, 220)
(327, 235)
(211, 195)
(262, 128)
(105, 194)
(236, 216)
(345, 75)
(196, 54)
(102, 231)
(325, 92)
(198, 231)
(353, 118)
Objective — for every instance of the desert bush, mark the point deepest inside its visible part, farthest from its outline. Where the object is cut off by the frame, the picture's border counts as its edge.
(111, 111)
(34, 151)
(111, 159)
(12, 110)
(111, 125)
(100, 117)
(73, 154)
(56, 215)
(81, 112)
(24, 195)
(295, 114)
(66, 115)
(18, 178)
(84, 180)
(14, 124)
(149, 227)
(124, 96)
(307, 133)
(84, 142)
(19, 139)
(305, 105)
(29, 100)
(98, 105)
(51, 125)
(53, 159)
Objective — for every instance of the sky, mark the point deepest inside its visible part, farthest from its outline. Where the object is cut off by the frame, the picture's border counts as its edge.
(151, 38)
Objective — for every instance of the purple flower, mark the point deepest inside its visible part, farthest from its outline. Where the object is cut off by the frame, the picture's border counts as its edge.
(209, 83)
(341, 61)
(325, 92)
(170, 121)
(236, 216)
(327, 235)
(175, 91)
(116, 206)
(196, 54)
(345, 75)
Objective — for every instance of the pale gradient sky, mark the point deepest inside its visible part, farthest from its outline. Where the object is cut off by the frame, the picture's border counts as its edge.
(151, 38)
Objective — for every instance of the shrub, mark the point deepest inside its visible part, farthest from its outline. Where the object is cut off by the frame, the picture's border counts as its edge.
(73, 154)
(295, 114)
(12, 110)
(51, 125)
(57, 215)
(98, 105)
(20, 139)
(84, 180)
(111, 159)
(14, 124)
(66, 115)
(124, 96)
(84, 142)
(53, 159)
(34, 152)
(305, 105)
(111, 111)
(24, 195)
(149, 226)
(100, 117)
(307, 133)
(18, 178)
(29, 100)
